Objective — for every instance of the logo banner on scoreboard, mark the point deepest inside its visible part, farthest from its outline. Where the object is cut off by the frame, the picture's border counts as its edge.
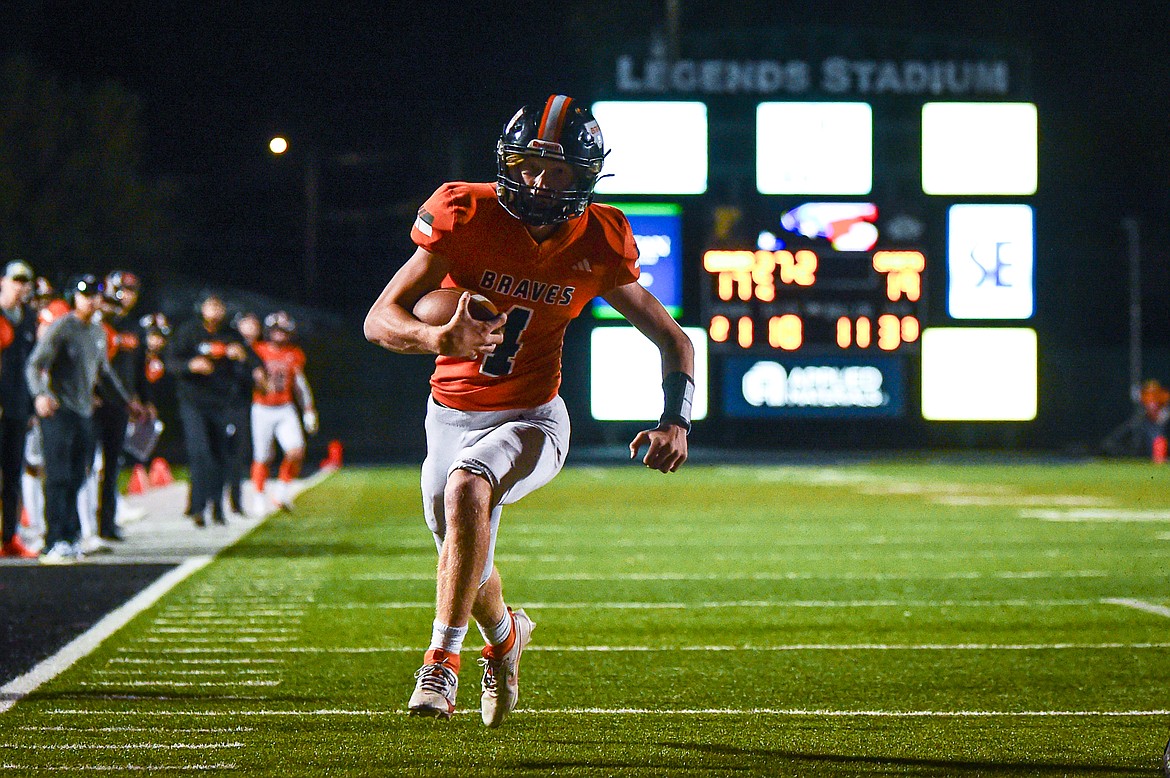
(822, 387)
(657, 229)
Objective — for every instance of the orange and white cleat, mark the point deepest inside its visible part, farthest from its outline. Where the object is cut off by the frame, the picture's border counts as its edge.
(501, 674)
(16, 548)
(436, 686)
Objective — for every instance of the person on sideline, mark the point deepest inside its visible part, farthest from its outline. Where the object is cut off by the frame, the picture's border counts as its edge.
(16, 288)
(128, 359)
(207, 359)
(62, 373)
(248, 324)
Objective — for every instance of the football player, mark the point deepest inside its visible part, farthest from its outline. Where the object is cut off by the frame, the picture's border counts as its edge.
(127, 354)
(248, 324)
(275, 418)
(536, 245)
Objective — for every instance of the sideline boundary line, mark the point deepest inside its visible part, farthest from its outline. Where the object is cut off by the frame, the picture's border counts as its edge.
(84, 644)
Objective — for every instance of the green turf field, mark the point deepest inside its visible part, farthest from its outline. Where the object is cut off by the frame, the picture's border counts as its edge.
(869, 619)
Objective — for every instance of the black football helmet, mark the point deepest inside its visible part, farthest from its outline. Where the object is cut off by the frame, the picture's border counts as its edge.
(560, 129)
(279, 320)
(118, 284)
(83, 284)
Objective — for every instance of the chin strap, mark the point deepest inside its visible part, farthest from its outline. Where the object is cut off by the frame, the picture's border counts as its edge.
(678, 390)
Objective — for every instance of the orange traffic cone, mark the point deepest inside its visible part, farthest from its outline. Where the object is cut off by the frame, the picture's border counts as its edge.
(160, 472)
(138, 481)
(333, 460)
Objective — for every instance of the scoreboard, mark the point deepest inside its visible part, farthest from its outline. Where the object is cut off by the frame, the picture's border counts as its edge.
(850, 224)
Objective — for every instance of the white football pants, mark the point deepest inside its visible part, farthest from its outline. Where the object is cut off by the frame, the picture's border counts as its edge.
(517, 451)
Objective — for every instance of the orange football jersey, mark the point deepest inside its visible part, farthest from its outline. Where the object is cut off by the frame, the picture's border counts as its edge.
(541, 286)
(282, 362)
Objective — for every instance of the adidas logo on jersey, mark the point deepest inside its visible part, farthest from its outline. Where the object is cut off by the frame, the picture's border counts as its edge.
(583, 266)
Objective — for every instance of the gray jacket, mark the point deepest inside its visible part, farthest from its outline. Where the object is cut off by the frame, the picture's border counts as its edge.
(67, 362)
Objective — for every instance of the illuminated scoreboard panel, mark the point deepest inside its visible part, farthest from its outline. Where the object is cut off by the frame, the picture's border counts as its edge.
(813, 302)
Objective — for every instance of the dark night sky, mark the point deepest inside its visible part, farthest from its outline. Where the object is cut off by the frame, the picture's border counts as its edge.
(420, 90)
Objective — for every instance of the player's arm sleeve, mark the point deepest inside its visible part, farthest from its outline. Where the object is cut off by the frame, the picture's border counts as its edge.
(450, 206)
(36, 369)
(141, 385)
(619, 240)
(252, 359)
(175, 356)
(7, 333)
(304, 394)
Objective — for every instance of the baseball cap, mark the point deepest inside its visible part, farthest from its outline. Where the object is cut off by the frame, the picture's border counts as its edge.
(87, 285)
(19, 270)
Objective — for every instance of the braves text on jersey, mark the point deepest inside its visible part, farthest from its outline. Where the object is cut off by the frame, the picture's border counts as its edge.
(541, 286)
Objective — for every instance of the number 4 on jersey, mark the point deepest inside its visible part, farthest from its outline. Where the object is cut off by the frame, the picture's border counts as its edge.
(499, 362)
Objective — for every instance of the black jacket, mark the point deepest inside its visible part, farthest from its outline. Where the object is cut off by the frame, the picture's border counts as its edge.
(14, 395)
(129, 359)
(220, 388)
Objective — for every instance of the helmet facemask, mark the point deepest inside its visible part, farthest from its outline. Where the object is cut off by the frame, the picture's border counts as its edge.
(561, 131)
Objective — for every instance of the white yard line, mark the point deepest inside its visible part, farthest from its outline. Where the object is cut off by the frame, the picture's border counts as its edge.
(1103, 515)
(213, 618)
(172, 684)
(898, 714)
(722, 648)
(166, 661)
(534, 606)
(185, 731)
(1019, 500)
(211, 630)
(129, 768)
(648, 712)
(202, 617)
(779, 576)
(179, 641)
(168, 671)
(122, 746)
(1141, 605)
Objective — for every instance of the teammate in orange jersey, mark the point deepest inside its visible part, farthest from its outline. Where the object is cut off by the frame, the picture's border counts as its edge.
(540, 249)
(274, 413)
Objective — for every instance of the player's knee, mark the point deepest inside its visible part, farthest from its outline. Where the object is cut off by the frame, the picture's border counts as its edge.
(468, 487)
(467, 496)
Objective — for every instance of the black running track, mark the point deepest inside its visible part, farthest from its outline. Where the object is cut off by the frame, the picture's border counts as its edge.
(43, 608)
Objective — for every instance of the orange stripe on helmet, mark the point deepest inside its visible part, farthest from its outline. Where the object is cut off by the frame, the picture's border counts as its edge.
(552, 121)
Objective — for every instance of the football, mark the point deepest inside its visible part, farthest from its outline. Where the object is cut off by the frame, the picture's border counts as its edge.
(438, 307)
